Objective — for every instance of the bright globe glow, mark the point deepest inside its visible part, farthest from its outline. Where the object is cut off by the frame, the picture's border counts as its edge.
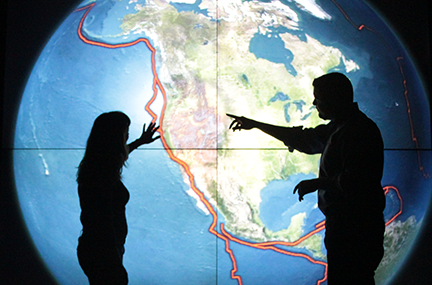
(209, 206)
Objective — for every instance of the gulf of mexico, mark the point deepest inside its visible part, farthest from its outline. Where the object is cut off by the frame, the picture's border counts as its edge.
(279, 204)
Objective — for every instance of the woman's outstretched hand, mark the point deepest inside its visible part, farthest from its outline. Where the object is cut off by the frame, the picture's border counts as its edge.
(241, 123)
(147, 135)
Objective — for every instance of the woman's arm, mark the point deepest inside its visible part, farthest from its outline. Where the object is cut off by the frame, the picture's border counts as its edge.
(146, 137)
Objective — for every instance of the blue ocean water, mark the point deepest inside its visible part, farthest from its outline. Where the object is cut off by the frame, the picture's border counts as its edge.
(166, 227)
(87, 80)
(409, 180)
(50, 207)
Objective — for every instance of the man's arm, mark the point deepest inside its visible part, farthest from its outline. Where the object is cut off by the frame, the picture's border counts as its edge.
(309, 141)
(243, 123)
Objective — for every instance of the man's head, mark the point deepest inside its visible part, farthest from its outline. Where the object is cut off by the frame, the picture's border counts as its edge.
(333, 93)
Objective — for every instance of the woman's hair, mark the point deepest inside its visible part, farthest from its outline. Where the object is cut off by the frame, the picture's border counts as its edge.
(105, 152)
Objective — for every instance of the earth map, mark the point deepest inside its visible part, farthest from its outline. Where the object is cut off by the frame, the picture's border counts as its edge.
(209, 206)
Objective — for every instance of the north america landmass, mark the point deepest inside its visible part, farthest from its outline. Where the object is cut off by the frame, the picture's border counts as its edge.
(208, 70)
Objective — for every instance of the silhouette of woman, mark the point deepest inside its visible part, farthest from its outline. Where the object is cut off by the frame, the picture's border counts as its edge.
(103, 198)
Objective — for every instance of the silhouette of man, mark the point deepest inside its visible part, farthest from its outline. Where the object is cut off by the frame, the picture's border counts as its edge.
(350, 194)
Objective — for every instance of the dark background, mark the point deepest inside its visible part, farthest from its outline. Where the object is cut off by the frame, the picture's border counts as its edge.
(27, 26)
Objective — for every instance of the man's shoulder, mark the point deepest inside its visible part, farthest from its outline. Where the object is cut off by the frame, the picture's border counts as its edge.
(362, 129)
(365, 122)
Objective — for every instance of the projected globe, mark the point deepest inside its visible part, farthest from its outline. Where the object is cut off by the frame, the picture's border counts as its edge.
(209, 206)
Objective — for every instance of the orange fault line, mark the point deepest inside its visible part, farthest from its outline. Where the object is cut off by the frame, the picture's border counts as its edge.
(224, 235)
(399, 60)
(386, 190)
(157, 83)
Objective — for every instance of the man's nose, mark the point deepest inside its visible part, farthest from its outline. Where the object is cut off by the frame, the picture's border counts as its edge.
(314, 102)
